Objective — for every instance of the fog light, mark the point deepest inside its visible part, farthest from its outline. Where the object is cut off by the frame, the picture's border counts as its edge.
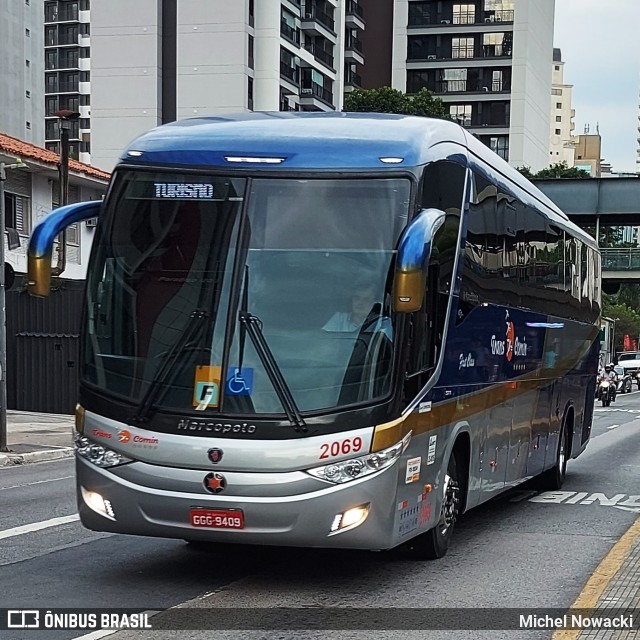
(97, 503)
(349, 519)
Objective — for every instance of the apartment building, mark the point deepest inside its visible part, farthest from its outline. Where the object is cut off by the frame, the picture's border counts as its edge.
(67, 81)
(562, 143)
(21, 70)
(490, 60)
(155, 61)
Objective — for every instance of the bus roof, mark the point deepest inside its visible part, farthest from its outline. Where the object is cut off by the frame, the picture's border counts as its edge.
(303, 140)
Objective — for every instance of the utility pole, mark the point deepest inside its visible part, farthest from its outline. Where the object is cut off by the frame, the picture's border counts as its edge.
(3, 310)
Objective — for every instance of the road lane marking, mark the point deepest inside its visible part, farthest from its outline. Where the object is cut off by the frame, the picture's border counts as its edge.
(613, 426)
(601, 577)
(620, 500)
(28, 484)
(37, 526)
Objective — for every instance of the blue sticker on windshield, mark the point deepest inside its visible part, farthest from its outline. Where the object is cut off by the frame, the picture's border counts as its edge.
(240, 382)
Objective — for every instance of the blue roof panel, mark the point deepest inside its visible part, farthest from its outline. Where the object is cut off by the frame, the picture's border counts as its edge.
(304, 140)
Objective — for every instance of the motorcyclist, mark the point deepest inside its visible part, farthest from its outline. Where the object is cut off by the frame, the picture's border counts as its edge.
(610, 375)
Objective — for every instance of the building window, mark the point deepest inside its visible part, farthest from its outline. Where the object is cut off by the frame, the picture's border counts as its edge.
(28, 124)
(50, 36)
(558, 105)
(462, 48)
(251, 12)
(27, 33)
(73, 234)
(557, 68)
(85, 76)
(558, 118)
(27, 94)
(461, 113)
(496, 45)
(85, 5)
(420, 14)
(250, 93)
(558, 132)
(250, 52)
(500, 145)
(17, 212)
(464, 13)
(556, 92)
(27, 63)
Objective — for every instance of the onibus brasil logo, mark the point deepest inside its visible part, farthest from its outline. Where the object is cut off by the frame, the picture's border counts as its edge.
(511, 345)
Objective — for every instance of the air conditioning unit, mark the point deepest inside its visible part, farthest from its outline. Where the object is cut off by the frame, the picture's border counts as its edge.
(489, 19)
(306, 92)
(485, 88)
(432, 57)
(92, 223)
(445, 21)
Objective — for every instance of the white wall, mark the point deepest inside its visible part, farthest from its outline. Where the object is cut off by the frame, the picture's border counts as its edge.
(212, 56)
(125, 46)
(16, 78)
(531, 83)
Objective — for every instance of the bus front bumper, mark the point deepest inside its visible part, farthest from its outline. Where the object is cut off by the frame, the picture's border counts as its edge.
(150, 501)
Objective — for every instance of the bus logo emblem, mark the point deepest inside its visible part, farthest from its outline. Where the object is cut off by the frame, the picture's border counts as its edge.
(215, 455)
(215, 482)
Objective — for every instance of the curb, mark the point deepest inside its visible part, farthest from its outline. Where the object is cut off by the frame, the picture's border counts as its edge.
(35, 456)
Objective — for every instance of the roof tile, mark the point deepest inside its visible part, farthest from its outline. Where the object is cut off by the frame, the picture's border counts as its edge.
(28, 151)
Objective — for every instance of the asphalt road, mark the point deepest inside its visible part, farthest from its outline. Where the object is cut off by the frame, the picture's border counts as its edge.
(522, 550)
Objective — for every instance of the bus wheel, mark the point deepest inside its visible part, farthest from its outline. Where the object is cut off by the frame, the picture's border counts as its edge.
(552, 479)
(435, 542)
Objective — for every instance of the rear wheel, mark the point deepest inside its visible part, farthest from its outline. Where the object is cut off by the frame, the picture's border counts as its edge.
(435, 543)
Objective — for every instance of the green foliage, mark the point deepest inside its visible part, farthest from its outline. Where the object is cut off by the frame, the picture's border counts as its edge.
(627, 320)
(388, 100)
(558, 170)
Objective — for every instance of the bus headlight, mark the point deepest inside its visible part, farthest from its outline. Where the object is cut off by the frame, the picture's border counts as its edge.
(98, 454)
(354, 468)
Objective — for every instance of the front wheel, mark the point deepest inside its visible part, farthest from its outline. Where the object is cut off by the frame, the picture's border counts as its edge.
(553, 479)
(435, 543)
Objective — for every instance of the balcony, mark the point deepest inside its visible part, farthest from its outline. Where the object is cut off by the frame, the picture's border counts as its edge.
(291, 75)
(354, 16)
(352, 80)
(320, 54)
(319, 23)
(498, 16)
(290, 33)
(353, 50)
(316, 97)
(467, 86)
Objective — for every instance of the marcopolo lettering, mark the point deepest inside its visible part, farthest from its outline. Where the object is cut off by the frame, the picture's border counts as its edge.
(215, 427)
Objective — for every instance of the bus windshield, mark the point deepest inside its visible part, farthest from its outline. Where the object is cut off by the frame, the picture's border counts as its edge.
(182, 259)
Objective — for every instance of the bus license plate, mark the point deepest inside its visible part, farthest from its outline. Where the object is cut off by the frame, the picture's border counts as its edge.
(217, 518)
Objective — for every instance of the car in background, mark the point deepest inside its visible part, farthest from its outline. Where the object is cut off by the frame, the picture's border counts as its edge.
(630, 362)
(624, 381)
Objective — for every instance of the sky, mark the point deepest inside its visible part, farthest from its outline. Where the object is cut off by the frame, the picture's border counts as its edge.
(601, 51)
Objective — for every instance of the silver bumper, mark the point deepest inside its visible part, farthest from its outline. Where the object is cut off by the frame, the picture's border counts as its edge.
(301, 515)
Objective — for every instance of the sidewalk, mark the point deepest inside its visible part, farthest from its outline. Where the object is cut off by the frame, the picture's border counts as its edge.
(33, 437)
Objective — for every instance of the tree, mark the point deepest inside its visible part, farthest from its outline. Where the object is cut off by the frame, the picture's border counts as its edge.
(557, 170)
(388, 100)
(627, 321)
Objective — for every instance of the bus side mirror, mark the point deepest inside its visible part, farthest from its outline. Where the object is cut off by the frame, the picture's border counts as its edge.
(42, 240)
(414, 251)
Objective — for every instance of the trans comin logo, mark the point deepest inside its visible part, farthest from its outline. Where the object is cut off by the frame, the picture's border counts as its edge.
(511, 345)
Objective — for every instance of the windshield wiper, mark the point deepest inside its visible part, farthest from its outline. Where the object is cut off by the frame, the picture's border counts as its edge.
(193, 328)
(253, 326)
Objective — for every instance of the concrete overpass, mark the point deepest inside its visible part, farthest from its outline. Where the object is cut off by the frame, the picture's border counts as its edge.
(602, 202)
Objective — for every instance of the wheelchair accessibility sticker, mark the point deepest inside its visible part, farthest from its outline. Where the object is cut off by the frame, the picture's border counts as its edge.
(239, 382)
(206, 389)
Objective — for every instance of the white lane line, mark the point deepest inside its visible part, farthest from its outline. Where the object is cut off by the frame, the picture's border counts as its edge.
(613, 426)
(28, 484)
(37, 526)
